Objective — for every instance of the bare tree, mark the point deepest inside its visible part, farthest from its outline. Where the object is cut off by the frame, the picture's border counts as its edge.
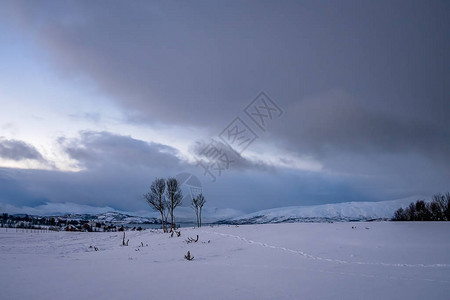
(174, 197)
(156, 199)
(194, 205)
(447, 209)
(200, 201)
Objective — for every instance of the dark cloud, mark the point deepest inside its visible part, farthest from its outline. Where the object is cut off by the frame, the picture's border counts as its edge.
(99, 149)
(200, 63)
(16, 188)
(219, 152)
(18, 150)
(180, 65)
(398, 153)
(337, 122)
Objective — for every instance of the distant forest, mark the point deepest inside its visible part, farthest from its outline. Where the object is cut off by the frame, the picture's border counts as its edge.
(436, 210)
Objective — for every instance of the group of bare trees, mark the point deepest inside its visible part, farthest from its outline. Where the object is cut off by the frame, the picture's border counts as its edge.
(436, 210)
(166, 195)
(197, 204)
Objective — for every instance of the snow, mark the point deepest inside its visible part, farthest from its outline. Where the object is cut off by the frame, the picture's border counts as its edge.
(375, 260)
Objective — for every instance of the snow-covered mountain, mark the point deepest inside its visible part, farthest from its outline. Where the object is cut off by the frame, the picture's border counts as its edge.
(115, 217)
(347, 211)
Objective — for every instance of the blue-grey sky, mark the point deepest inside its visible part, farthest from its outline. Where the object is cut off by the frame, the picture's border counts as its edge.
(100, 97)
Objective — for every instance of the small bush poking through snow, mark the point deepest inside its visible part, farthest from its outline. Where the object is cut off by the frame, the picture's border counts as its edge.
(188, 256)
(123, 240)
(191, 240)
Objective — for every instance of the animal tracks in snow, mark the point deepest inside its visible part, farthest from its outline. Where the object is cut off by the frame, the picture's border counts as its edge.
(318, 258)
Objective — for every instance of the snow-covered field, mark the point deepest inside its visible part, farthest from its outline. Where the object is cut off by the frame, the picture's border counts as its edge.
(379, 260)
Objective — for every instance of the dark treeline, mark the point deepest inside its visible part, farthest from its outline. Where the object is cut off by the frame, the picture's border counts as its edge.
(28, 220)
(436, 210)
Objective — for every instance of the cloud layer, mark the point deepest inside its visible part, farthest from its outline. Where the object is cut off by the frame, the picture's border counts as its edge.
(18, 150)
(363, 85)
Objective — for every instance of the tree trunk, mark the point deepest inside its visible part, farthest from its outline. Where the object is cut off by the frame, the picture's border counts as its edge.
(166, 216)
(196, 214)
(162, 221)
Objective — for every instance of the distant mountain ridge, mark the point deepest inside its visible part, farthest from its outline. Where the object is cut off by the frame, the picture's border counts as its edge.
(339, 212)
(111, 217)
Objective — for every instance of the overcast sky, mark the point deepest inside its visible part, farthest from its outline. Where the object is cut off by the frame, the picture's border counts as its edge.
(100, 97)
